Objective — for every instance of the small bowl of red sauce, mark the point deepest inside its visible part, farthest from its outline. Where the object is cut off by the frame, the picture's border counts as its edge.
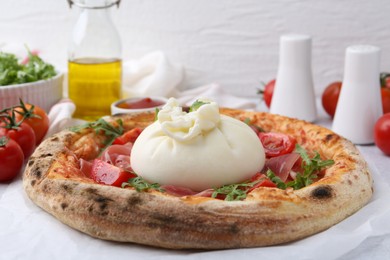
(137, 105)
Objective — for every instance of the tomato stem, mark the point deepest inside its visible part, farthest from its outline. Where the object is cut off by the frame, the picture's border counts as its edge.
(26, 113)
(10, 121)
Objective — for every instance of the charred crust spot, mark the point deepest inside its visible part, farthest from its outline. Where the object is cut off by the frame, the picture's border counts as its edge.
(38, 173)
(103, 202)
(45, 188)
(234, 229)
(91, 191)
(31, 162)
(322, 192)
(67, 188)
(64, 205)
(164, 219)
(32, 183)
(329, 137)
(45, 155)
(99, 199)
(134, 201)
(55, 139)
(104, 213)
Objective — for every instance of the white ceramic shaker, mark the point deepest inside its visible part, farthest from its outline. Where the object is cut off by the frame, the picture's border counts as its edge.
(294, 91)
(359, 105)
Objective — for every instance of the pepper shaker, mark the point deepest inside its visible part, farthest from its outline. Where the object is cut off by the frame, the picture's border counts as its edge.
(294, 91)
(359, 105)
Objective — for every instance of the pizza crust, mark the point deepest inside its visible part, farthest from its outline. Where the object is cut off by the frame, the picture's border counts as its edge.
(268, 216)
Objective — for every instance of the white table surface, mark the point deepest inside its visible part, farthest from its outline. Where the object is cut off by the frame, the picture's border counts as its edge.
(27, 232)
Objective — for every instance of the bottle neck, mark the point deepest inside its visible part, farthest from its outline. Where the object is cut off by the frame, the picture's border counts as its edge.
(94, 36)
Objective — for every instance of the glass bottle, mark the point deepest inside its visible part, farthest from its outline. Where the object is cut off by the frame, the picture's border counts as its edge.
(94, 60)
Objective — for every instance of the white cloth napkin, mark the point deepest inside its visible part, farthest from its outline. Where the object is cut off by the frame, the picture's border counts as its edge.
(216, 93)
(60, 117)
(155, 75)
(152, 75)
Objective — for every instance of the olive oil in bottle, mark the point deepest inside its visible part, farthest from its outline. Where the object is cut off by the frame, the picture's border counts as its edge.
(94, 60)
(93, 85)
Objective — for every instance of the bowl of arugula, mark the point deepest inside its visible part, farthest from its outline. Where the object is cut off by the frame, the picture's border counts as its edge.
(34, 81)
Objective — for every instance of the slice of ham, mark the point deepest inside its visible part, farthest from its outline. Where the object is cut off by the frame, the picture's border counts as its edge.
(86, 167)
(281, 165)
(118, 155)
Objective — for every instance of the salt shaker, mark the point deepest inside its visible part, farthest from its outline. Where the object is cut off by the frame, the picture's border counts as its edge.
(294, 91)
(359, 105)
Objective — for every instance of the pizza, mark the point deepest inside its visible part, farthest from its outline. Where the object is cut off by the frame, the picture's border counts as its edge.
(129, 186)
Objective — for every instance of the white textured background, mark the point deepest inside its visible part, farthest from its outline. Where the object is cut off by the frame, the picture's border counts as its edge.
(231, 42)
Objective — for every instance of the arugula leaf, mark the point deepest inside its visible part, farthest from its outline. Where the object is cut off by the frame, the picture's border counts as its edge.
(36, 69)
(311, 167)
(234, 192)
(275, 179)
(12, 72)
(156, 111)
(197, 104)
(141, 185)
(9, 68)
(101, 125)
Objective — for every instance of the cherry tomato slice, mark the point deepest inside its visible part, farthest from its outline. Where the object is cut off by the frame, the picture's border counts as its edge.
(109, 174)
(264, 181)
(129, 136)
(11, 159)
(276, 144)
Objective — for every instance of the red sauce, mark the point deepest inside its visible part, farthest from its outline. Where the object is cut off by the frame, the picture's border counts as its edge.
(140, 103)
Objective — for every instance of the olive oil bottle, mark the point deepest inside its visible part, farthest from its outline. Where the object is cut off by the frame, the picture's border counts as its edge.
(94, 64)
(93, 85)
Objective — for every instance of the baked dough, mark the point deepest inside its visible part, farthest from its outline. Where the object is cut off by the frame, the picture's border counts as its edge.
(268, 216)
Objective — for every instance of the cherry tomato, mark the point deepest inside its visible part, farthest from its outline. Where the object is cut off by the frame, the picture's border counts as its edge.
(276, 144)
(382, 133)
(11, 159)
(385, 92)
(268, 92)
(35, 117)
(22, 134)
(129, 136)
(330, 97)
(385, 79)
(105, 173)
